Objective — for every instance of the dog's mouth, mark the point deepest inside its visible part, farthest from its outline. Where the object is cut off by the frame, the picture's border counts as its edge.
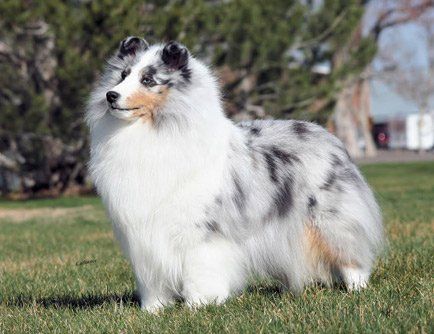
(125, 109)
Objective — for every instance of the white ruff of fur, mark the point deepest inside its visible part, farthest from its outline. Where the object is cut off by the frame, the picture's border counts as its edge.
(200, 204)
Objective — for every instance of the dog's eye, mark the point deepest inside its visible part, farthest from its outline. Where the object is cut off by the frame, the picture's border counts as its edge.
(148, 81)
(124, 74)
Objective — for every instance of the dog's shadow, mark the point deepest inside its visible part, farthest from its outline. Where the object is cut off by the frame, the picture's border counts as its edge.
(97, 300)
(126, 299)
(277, 290)
(266, 290)
(84, 302)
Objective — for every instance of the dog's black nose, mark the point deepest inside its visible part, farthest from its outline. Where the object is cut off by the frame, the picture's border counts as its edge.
(112, 96)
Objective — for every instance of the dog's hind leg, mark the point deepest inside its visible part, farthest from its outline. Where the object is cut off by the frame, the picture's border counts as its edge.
(344, 236)
(354, 278)
(336, 261)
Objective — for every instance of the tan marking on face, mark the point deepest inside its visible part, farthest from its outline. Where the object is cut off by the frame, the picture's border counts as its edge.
(148, 103)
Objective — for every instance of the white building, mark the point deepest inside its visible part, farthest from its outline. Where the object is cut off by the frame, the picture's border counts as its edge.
(402, 119)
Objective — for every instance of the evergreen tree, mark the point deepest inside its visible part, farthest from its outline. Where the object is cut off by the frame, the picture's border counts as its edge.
(268, 54)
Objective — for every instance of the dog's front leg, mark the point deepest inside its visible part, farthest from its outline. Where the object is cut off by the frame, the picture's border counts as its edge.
(153, 295)
(212, 272)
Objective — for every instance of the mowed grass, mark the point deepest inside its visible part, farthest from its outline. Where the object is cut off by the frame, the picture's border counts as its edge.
(61, 271)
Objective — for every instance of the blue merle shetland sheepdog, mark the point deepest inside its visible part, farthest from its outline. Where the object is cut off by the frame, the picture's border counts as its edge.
(200, 204)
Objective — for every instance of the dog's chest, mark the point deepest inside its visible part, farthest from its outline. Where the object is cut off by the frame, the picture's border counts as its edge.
(135, 185)
(143, 180)
(157, 192)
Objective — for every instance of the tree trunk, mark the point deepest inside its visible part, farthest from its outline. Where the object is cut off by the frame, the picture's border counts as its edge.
(364, 117)
(346, 123)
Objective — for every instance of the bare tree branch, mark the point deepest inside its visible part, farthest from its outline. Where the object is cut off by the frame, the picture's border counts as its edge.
(400, 15)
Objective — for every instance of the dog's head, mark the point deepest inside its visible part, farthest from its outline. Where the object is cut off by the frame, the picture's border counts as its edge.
(144, 76)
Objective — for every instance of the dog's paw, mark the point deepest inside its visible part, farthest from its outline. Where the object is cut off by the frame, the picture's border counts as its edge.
(155, 306)
(153, 309)
(196, 301)
(355, 279)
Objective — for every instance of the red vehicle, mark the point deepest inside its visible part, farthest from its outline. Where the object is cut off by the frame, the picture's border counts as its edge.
(381, 135)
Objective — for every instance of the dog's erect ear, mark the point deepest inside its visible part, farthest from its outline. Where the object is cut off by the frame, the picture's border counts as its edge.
(131, 45)
(175, 55)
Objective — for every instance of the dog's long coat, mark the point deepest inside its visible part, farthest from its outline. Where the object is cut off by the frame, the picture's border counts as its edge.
(200, 204)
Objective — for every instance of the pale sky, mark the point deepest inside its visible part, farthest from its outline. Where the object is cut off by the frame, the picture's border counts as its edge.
(409, 49)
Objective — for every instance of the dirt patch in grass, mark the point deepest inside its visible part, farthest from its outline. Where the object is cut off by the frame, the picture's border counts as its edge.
(21, 215)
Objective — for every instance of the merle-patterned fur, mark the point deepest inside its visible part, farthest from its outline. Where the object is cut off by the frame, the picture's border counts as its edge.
(285, 173)
(199, 203)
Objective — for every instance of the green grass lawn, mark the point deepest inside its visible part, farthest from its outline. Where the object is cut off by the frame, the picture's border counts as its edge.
(61, 271)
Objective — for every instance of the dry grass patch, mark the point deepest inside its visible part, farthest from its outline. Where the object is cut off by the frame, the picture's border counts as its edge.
(40, 263)
(97, 236)
(22, 215)
(398, 230)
